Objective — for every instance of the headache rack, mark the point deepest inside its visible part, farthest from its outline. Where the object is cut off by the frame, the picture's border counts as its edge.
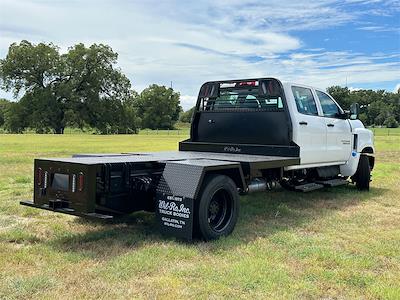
(247, 116)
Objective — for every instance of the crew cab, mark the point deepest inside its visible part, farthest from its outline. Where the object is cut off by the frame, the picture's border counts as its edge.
(246, 135)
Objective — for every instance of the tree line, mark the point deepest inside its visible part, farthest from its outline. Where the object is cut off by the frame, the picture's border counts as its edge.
(80, 88)
(378, 108)
(84, 88)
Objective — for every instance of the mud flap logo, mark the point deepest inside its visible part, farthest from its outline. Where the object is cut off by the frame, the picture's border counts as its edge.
(174, 215)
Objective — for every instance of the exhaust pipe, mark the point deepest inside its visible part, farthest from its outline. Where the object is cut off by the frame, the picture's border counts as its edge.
(260, 185)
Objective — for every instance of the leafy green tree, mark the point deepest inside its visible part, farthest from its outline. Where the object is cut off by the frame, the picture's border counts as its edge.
(30, 70)
(186, 117)
(341, 95)
(81, 87)
(28, 67)
(158, 107)
(4, 104)
(95, 88)
(15, 120)
(391, 122)
(377, 107)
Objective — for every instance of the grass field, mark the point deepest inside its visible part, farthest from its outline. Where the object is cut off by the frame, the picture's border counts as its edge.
(335, 244)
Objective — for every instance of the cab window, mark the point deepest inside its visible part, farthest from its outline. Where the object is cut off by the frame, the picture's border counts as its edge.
(329, 107)
(305, 101)
(244, 96)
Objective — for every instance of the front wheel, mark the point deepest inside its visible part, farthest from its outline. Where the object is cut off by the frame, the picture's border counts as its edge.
(363, 174)
(218, 207)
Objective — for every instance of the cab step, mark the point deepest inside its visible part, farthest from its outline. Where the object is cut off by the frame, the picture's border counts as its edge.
(333, 182)
(308, 187)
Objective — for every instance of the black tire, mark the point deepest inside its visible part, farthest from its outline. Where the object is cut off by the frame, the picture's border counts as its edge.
(363, 174)
(217, 207)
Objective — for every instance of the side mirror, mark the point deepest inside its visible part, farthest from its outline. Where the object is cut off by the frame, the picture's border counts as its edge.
(354, 111)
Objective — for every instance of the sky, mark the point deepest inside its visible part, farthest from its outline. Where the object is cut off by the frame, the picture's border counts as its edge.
(354, 43)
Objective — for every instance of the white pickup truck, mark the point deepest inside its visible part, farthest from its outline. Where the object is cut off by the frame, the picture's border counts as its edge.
(246, 136)
(329, 136)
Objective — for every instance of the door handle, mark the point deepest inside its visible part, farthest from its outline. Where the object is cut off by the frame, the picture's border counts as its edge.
(330, 125)
(303, 123)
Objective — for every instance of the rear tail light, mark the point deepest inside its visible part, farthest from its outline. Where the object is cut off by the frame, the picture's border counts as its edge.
(39, 176)
(247, 83)
(46, 176)
(74, 183)
(81, 181)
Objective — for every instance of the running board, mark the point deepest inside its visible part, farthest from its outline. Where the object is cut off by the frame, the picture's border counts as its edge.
(308, 187)
(333, 182)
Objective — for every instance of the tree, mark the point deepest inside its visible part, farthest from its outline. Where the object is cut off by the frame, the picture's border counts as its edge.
(377, 107)
(158, 107)
(31, 70)
(341, 95)
(81, 87)
(186, 117)
(95, 88)
(4, 104)
(391, 122)
(15, 122)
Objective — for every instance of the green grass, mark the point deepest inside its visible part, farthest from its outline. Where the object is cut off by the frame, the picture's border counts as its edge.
(336, 243)
(385, 131)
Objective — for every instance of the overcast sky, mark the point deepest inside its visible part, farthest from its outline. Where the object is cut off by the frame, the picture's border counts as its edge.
(320, 43)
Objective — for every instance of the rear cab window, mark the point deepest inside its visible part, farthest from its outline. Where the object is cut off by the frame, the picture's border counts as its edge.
(329, 108)
(305, 101)
(245, 96)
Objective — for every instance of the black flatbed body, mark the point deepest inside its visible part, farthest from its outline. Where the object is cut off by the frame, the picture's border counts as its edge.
(121, 183)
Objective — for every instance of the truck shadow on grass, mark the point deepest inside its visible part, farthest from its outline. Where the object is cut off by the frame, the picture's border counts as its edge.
(261, 215)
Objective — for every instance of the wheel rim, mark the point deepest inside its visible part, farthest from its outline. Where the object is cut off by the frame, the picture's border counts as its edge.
(220, 210)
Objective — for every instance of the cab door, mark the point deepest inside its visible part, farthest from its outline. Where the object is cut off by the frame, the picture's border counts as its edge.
(339, 136)
(309, 128)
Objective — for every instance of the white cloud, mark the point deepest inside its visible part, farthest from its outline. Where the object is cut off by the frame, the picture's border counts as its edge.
(354, 89)
(188, 101)
(379, 28)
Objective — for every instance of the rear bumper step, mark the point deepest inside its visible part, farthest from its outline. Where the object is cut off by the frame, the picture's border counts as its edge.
(68, 211)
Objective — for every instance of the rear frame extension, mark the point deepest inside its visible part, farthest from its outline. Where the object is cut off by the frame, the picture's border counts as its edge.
(68, 211)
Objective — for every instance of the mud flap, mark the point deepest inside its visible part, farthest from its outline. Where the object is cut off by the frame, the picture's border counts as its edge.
(177, 191)
(175, 215)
